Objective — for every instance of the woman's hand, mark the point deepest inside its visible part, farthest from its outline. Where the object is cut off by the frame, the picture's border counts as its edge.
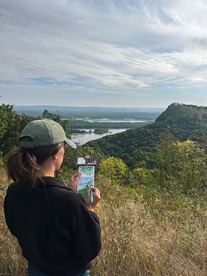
(74, 181)
(96, 198)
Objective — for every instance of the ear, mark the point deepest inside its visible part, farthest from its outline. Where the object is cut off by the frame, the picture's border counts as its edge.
(55, 157)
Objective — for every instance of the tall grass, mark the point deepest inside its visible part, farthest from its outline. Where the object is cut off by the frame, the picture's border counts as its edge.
(144, 232)
(150, 234)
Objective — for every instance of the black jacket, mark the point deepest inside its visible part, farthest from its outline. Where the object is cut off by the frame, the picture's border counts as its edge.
(55, 230)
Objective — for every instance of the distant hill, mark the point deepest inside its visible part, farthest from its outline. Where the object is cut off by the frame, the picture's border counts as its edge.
(72, 112)
(180, 120)
(178, 112)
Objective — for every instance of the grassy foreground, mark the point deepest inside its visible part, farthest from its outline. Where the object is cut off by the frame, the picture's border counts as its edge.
(144, 232)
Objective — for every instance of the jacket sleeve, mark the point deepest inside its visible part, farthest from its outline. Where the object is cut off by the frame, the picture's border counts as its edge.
(86, 231)
(9, 217)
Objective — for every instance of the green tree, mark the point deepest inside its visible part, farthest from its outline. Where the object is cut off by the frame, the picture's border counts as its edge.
(144, 176)
(181, 164)
(48, 115)
(11, 125)
(113, 168)
(165, 158)
(56, 117)
(190, 165)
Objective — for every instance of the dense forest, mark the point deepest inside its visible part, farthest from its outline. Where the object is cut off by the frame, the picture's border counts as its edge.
(181, 121)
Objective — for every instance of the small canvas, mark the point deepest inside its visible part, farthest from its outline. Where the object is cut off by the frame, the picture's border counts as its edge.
(86, 180)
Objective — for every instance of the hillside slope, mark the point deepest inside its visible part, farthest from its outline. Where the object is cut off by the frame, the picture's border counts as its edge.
(182, 121)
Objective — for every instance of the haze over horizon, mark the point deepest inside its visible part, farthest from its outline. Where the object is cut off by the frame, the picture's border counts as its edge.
(110, 53)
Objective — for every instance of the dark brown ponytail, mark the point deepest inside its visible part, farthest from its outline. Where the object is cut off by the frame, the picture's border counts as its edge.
(24, 163)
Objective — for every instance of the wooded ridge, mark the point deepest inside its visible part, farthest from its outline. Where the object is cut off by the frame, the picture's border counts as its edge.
(181, 120)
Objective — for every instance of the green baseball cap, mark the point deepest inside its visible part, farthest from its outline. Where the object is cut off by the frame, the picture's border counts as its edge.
(44, 132)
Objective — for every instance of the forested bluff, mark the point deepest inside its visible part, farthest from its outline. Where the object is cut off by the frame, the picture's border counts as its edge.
(180, 121)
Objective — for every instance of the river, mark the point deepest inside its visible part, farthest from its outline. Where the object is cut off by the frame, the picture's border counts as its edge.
(82, 138)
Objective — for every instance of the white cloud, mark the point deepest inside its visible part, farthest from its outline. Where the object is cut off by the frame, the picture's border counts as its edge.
(104, 47)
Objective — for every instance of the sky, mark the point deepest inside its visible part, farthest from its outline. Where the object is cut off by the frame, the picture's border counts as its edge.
(105, 53)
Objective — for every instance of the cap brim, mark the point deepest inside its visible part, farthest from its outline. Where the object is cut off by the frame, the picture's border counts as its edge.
(70, 143)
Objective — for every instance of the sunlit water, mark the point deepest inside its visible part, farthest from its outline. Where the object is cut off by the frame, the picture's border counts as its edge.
(82, 138)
